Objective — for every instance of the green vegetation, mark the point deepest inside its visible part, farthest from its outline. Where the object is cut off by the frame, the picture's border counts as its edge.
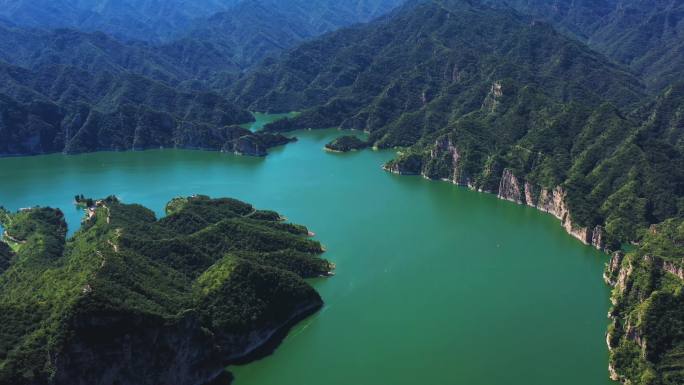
(644, 35)
(64, 108)
(6, 256)
(468, 105)
(204, 38)
(647, 333)
(470, 93)
(203, 286)
(82, 90)
(346, 143)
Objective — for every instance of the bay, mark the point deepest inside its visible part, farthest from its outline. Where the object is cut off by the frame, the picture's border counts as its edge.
(434, 284)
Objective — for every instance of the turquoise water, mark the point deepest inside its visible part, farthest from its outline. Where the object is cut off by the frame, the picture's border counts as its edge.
(435, 284)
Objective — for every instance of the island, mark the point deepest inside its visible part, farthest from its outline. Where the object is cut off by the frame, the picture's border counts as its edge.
(346, 143)
(146, 300)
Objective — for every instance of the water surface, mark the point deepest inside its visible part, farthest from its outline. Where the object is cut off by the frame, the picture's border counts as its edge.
(435, 284)
(261, 119)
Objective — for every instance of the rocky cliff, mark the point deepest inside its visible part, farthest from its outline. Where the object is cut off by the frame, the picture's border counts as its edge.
(552, 201)
(645, 336)
(444, 162)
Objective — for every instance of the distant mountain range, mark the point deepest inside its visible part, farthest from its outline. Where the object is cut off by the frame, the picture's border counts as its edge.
(74, 91)
(164, 21)
(150, 20)
(646, 35)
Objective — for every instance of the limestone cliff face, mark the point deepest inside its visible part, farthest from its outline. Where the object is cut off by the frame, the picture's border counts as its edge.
(443, 162)
(675, 268)
(617, 274)
(612, 272)
(445, 154)
(511, 188)
(492, 100)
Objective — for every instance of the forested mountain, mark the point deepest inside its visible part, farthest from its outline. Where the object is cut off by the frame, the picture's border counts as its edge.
(164, 21)
(574, 107)
(63, 108)
(150, 20)
(211, 282)
(256, 29)
(646, 35)
(75, 91)
(93, 52)
(501, 102)
(211, 47)
(506, 93)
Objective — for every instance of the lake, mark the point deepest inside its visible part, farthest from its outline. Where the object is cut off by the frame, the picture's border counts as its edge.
(434, 284)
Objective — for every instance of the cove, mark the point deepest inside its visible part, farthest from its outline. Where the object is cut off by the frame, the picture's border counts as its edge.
(435, 284)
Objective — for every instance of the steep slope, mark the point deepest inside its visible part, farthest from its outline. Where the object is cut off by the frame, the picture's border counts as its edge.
(256, 29)
(486, 98)
(135, 300)
(436, 51)
(65, 109)
(483, 95)
(92, 52)
(646, 35)
(71, 91)
(646, 337)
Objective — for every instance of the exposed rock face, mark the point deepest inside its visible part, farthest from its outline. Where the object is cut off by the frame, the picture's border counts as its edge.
(597, 239)
(613, 374)
(550, 201)
(492, 100)
(529, 189)
(613, 268)
(509, 189)
(445, 150)
(623, 277)
(247, 145)
(444, 162)
(410, 164)
(676, 268)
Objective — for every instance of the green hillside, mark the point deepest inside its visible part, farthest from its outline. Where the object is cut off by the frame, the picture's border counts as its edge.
(207, 284)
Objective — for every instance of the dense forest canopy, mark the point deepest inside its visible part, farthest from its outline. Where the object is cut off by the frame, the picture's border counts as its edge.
(67, 86)
(572, 106)
(207, 281)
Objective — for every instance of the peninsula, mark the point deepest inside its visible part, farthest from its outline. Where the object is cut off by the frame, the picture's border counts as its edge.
(213, 282)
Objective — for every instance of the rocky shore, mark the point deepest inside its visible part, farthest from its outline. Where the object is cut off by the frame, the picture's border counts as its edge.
(510, 187)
